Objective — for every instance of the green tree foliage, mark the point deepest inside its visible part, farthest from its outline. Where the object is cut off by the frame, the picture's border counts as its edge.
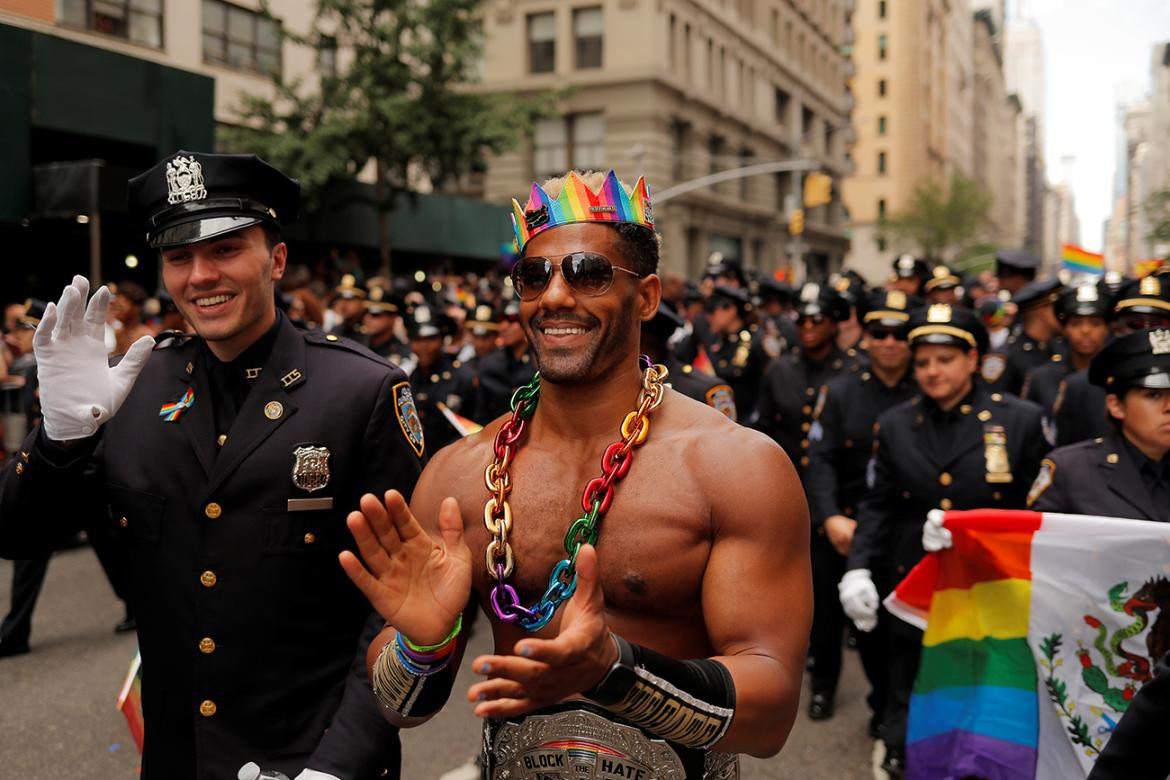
(940, 219)
(403, 101)
(1158, 211)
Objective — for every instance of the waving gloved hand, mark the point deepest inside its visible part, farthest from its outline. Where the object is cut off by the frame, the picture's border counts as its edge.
(859, 598)
(935, 536)
(79, 391)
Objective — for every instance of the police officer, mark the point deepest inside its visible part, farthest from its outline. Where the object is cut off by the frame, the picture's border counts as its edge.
(1014, 269)
(349, 306)
(943, 286)
(736, 347)
(909, 275)
(484, 327)
(1036, 343)
(1082, 311)
(227, 463)
(1142, 303)
(791, 384)
(852, 288)
(436, 378)
(841, 439)
(502, 371)
(1126, 472)
(379, 325)
(954, 446)
(706, 389)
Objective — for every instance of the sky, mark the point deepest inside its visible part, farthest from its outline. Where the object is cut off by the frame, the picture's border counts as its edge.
(1097, 54)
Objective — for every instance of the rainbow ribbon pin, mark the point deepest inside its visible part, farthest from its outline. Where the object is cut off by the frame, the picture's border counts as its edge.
(171, 412)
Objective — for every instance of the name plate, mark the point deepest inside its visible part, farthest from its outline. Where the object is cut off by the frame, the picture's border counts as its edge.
(309, 504)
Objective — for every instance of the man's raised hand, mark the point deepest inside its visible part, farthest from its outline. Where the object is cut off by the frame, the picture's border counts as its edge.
(545, 671)
(420, 585)
(79, 390)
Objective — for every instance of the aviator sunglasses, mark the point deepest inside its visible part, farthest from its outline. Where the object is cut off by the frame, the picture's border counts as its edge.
(586, 273)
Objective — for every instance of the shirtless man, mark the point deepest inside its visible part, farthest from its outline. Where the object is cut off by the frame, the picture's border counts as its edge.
(688, 625)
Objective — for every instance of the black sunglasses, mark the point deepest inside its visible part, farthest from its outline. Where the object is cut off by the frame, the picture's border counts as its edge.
(815, 319)
(586, 273)
(881, 334)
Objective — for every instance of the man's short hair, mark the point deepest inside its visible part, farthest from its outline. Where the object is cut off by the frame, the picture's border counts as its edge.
(641, 244)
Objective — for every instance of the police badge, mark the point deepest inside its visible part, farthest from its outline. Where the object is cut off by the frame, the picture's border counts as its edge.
(408, 417)
(311, 468)
(185, 180)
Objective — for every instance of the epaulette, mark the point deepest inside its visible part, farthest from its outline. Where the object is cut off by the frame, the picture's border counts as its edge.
(172, 338)
(331, 340)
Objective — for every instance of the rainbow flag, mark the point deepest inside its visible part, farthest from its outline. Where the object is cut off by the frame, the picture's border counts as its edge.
(1077, 260)
(1035, 639)
(702, 363)
(464, 426)
(130, 700)
(1146, 267)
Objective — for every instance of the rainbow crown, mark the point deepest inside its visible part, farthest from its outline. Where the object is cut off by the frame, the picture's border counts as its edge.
(577, 203)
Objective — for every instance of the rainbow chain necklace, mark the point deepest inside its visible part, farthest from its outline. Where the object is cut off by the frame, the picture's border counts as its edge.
(596, 500)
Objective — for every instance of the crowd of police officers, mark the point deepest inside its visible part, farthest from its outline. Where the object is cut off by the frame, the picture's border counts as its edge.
(931, 391)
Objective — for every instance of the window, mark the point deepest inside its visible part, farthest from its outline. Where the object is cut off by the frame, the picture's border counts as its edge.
(570, 142)
(687, 51)
(542, 43)
(327, 57)
(883, 44)
(672, 33)
(679, 141)
(881, 244)
(745, 159)
(881, 162)
(714, 153)
(783, 101)
(881, 209)
(881, 9)
(139, 21)
(807, 118)
(881, 125)
(240, 38)
(881, 87)
(587, 32)
(774, 27)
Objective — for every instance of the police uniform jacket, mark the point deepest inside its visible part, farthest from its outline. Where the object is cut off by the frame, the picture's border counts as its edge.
(788, 394)
(740, 359)
(704, 388)
(1100, 476)
(1022, 355)
(448, 383)
(252, 637)
(1042, 385)
(500, 373)
(983, 453)
(1078, 412)
(841, 440)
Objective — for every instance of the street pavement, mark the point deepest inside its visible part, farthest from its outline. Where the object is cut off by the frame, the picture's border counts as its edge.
(58, 720)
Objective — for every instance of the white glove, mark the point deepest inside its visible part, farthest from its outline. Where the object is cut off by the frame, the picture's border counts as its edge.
(313, 774)
(934, 536)
(78, 389)
(859, 598)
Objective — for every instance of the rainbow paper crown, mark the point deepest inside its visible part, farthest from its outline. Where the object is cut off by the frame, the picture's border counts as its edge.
(577, 203)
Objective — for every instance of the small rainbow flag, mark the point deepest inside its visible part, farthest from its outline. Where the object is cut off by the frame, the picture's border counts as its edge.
(464, 426)
(1077, 260)
(130, 700)
(702, 363)
(1146, 267)
(171, 412)
(1017, 678)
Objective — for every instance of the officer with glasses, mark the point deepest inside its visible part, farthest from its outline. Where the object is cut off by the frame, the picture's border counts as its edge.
(736, 347)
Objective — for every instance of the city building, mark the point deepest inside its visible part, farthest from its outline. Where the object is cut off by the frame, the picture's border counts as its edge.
(996, 119)
(678, 90)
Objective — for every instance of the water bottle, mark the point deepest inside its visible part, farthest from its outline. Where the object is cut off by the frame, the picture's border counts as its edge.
(251, 771)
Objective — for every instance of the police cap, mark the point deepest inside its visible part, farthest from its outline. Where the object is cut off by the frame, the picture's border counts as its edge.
(1015, 260)
(1090, 299)
(664, 322)
(820, 299)
(942, 278)
(34, 309)
(774, 288)
(1037, 293)
(193, 196)
(423, 322)
(349, 289)
(722, 294)
(1138, 359)
(907, 266)
(942, 323)
(1148, 295)
(483, 320)
(889, 308)
(382, 301)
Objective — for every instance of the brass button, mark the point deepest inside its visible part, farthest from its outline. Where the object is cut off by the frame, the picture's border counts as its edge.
(221, 439)
(804, 461)
(19, 469)
(273, 410)
(207, 645)
(996, 397)
(806, 409)
(190, 368)
(965, 408)
(848, 443)
(213, 510)
(984, 416)
(207, 578)
(945, 503)
(331, 337)
(997, 496)
(122, 521)
(310, 538)
(804, 443)
(809, 391)
(207, 708)
(1111, 458)
(804, 426)
(945, 478)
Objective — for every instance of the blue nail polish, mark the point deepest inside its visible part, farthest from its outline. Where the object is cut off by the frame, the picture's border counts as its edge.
(526, 650)
(485, 668)
(481, 697)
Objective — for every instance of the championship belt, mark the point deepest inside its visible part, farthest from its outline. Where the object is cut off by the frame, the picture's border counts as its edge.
(581, 743)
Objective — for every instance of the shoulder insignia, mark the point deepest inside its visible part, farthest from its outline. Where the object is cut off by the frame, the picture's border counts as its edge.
(1042, 482)
(1058, 402)
(992, 367)
(821, 398)
(721, 398)
(408, 417)
(172, 338)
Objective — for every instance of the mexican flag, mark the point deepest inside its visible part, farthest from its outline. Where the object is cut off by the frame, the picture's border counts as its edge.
(1039, 629)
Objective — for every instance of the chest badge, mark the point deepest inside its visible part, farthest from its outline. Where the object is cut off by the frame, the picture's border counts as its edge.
(311, 468)
(170, 412)
(408, 417)
(995, 455)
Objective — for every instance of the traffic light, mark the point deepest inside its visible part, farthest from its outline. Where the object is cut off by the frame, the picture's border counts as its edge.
(796, 222)
(818, 190)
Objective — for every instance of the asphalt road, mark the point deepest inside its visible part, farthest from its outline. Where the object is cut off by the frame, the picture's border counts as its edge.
(58, 720)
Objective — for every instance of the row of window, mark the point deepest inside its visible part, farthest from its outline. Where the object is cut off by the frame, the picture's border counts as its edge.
(587, 40)
(232, 36)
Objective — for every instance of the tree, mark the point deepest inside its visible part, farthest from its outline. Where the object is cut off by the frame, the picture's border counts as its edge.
(1158, 212)
(941, 219)
(400, 102)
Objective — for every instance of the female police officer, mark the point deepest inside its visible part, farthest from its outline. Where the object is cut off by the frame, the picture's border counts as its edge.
(953, 446)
